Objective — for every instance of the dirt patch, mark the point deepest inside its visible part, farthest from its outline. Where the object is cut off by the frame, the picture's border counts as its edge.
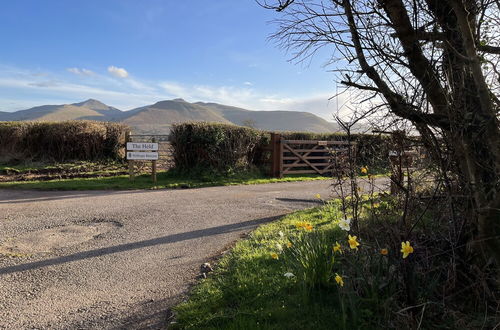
(51, 239)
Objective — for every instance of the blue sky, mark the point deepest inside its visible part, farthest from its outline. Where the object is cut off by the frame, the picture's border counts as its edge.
(130, 53)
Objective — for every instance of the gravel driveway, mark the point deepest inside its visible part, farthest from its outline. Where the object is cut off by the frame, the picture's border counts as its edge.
(120, 259)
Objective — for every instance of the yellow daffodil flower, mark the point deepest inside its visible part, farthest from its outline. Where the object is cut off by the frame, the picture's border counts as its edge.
(364, 170)
(339, 279)
(384, 252)
(353, 243)
(289, 244)
(337, 248)
(274, 255)
(406, 249)
(318, 196)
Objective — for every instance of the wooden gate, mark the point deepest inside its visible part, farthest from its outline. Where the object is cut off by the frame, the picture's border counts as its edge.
(309, 156)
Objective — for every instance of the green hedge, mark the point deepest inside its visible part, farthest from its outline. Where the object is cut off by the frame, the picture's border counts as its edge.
(214, 146)
(223, 148)
(61, 141)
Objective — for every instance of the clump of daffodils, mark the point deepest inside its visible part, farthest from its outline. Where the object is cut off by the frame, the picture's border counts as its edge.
(305, 225)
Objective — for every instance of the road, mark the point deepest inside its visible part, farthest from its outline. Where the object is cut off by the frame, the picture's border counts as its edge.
(120, 259)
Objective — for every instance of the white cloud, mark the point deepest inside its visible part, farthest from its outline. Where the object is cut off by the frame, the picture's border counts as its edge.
(117, 72)
(247, 83)
(174, 89)
(81, 72)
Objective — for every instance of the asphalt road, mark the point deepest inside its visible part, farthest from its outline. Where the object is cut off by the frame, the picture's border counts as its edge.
(120, 259)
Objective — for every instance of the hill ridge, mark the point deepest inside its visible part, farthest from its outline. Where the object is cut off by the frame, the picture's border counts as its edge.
(157, 118)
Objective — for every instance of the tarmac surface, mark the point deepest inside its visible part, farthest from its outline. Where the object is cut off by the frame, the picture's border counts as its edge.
(121, 259)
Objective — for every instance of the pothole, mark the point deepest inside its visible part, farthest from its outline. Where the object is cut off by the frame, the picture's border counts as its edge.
(51, 239)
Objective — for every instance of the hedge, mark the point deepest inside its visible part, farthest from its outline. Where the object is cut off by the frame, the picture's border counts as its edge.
(223, 147)
(214, 146)
(61, 141)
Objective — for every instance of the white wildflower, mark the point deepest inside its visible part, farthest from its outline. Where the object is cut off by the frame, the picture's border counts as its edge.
(345, 224)
(279, 247)
(289, 275)
(281, 234)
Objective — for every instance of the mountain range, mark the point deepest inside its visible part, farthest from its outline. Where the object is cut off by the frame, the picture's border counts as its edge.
(157, 118)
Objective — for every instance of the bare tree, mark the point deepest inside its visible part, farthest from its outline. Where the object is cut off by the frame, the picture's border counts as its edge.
(433, 63)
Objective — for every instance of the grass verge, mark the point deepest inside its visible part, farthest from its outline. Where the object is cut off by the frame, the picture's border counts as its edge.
(310, 271)
(248, 289)
(168, 179)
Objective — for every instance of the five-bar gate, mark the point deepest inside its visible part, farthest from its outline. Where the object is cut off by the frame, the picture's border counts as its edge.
(309, 156)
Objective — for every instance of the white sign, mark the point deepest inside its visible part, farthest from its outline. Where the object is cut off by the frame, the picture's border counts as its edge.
(142, 146)
(142, 155)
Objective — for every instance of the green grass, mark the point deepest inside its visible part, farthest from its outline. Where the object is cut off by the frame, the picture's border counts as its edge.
(248, 289)
(168, 179)
(79, 166)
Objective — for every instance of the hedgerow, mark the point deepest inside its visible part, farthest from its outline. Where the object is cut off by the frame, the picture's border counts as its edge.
(61, 141)
(223, 147)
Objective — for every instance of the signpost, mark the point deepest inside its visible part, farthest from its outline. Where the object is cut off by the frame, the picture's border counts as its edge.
(142, 151)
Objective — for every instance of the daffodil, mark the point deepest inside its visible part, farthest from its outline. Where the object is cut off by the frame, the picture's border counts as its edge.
(289, 244)
(274, 255)
(364, 169)
(337, 248)
(288, 275)
(339, 279)
(345, 224)
(353, 243)
(304, 225)
(300, 225)
(376, 205)
(318, 196)
(406, 249)
(384, 252)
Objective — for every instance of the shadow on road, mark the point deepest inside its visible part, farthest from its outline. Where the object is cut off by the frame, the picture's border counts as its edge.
(50, 195)
(301, 200)
(138, 245)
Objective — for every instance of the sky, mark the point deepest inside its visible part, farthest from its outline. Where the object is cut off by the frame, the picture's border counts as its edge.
(129, 53)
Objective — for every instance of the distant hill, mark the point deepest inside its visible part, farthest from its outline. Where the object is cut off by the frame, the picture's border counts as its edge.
(88, 110)
(158, 118)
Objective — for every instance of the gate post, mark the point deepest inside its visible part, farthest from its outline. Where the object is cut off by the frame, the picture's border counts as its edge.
(276, 155)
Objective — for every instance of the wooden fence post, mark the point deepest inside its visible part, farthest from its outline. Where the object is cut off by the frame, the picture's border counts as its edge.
(276, 156)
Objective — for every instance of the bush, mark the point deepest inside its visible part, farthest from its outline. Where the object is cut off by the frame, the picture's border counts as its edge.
(214, 147)
(61, 141)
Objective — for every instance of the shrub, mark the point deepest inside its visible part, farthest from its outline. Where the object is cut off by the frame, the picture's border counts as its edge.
(61, 141)
(213, 146)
